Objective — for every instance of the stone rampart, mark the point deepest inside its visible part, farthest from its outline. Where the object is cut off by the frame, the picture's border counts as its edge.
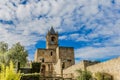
(71, 71)
(111, 67)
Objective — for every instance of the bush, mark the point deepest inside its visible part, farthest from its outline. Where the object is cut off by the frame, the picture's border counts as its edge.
(36, 67)
(33, 76)
(84, 75)
(8, 73)
(103, 76)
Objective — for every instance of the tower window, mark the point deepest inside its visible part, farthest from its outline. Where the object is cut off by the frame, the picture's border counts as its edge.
(42, 59)
(52, 39)
(51, 53)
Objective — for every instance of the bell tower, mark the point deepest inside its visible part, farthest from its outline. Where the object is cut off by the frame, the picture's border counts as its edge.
(51, 39)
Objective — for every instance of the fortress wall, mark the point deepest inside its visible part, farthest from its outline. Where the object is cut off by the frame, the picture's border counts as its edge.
(111, 67)
(71, 71)
(66, 54)
(46, 54)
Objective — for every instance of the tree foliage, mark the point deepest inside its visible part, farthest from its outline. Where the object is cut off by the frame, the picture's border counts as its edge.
(8, 73)
(84, 75)
(3, 52)
(16, 53)
(3, 47)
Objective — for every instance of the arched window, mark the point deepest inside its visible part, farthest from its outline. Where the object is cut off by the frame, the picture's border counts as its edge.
(43, 69)
(52, 39)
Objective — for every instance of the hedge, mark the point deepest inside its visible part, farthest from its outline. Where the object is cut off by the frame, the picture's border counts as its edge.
(33, 76)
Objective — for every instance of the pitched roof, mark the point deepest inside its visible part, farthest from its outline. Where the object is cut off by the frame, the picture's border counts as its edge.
(52, 31)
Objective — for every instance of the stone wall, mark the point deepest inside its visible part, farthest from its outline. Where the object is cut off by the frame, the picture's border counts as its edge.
(49, 55)
(71, 71)
(66, 54)
(111, 67)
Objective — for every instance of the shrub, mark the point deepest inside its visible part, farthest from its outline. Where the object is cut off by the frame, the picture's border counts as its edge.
(8, 73)
(84, 75)
(36, 67)
(33, 76)
(103, 76)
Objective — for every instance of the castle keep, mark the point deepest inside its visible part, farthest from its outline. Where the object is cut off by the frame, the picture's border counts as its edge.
(54, 58)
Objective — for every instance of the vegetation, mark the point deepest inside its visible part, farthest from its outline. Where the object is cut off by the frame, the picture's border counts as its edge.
(103, 76)
(32, 76)
(16, 53)
(3, 52)
(36, 67)
(8, 72)
(84, 75)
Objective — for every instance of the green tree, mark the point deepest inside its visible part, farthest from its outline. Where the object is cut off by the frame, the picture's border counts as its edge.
(17, 53)
(3, 52)
(8, 73)
(3, 47)
(84, 75)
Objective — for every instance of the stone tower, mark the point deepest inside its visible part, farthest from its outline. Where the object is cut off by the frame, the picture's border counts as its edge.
(52, 39)
(54, 58)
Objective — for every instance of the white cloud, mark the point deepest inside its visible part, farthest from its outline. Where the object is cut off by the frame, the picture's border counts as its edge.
(75, 37)
(93, 53)
(64, 37)
(31, 21)
(23, 12)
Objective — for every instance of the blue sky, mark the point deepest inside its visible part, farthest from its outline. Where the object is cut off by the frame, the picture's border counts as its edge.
(92, 27)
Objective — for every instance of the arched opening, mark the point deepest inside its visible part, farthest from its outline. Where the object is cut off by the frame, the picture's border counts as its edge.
(43, 70)
(52, 39)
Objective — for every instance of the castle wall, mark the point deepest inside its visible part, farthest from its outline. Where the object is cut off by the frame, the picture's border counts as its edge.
(49, 55)
(111, 67)
(71, 71)
(66, 54)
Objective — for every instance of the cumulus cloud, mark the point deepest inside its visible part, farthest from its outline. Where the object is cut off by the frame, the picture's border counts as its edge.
(93, 53)
(75, 37)
(64, 37)
(27, 21)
